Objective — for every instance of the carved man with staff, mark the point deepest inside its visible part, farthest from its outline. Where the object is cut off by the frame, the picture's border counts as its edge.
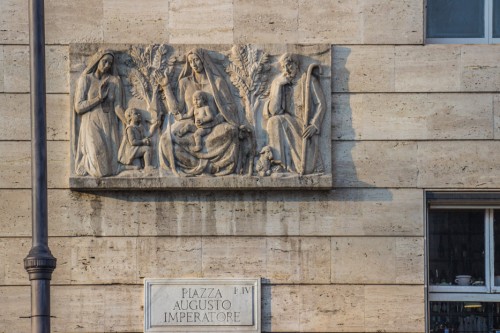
(294, 116)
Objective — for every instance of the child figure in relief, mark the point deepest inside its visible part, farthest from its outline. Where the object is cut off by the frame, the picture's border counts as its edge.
(204, 118)
(135, 144)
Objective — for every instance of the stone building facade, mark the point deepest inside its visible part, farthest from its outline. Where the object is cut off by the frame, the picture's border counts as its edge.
(406, 118)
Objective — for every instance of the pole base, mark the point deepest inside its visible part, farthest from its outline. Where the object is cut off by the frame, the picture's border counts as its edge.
(40, 263)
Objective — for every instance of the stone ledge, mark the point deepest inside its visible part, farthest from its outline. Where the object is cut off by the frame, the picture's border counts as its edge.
(307, 182)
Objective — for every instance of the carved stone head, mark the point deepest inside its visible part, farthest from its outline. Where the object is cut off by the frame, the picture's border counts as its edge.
(102, 61)
(200, 98)
(195, 62)
(133, 116)
(105, 63)
(290, 65)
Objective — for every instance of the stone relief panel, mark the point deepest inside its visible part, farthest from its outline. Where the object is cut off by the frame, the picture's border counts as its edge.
(215, 116)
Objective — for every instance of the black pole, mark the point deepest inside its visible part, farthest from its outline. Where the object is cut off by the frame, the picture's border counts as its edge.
(39, 263)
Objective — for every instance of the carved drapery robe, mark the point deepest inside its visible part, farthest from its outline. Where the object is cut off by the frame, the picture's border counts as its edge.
(219, 155)
(97, 149)
(131, 142)
(287, 121)
(220, 146)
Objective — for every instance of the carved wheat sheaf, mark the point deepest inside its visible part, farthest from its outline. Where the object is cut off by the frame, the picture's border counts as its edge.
(148, 61)
(248, 71)
(140, 86)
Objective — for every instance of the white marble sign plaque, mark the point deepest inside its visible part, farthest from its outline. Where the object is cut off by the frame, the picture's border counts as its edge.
(202, 305)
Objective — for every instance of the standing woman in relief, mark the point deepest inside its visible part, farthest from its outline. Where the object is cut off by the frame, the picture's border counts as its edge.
(98, 102)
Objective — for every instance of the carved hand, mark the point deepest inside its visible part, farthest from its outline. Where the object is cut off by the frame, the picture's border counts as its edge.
(309, 131)
(104, 89)
(283, 80)
(178, 116)
(161, 79)
(146, 141)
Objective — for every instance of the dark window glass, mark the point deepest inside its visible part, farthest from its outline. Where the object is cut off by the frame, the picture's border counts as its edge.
(496, 18)
(456, 317)
(455, 18)
(496, 242)
(456, 247)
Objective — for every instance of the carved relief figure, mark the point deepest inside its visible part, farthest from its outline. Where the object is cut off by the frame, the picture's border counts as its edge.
(247, 150)
(265, 162)
(294, 112)
(135, 144)
(203, 118)
(98, 104)
(238, 111)
(219, 152)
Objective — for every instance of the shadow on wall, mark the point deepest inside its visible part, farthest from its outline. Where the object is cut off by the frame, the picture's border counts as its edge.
(345, 173)
(246, 212)
(345, 168)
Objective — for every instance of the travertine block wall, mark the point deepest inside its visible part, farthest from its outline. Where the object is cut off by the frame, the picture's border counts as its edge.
(405, 118)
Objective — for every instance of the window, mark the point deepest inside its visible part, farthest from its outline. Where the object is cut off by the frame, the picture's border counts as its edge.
(463, 21)
(463, 261)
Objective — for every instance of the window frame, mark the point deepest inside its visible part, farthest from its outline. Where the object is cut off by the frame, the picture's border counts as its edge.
(488, 256)
(487, 201)
(488, 30)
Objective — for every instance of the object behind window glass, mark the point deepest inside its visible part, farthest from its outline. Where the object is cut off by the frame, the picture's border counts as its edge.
(456, 247)
(462, 317)
(455, 19)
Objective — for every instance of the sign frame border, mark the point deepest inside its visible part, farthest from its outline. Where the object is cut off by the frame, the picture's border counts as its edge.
(254, 282)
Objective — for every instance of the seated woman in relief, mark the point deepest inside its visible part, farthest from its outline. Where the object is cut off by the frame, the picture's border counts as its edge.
(179, 152)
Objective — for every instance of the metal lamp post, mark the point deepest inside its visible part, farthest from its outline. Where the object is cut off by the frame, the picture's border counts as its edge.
(39, 263)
